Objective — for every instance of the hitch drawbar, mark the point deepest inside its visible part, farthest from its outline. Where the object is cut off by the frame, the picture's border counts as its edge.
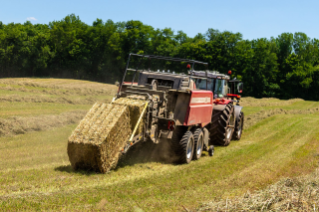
(133, 140)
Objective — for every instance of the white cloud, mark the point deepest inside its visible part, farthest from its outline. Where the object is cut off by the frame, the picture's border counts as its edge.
(31, 19)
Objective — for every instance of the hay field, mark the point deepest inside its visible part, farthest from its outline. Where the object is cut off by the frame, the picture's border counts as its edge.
(30, 104)
(281, 142)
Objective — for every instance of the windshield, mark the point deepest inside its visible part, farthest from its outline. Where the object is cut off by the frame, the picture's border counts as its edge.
(218, 92)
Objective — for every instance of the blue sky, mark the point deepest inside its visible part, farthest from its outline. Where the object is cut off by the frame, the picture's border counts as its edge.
(253, 18)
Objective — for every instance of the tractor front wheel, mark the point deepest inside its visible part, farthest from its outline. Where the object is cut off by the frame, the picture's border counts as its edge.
(239, 126)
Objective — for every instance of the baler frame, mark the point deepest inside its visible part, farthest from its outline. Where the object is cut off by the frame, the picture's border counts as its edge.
(193, 62)
(130, 88)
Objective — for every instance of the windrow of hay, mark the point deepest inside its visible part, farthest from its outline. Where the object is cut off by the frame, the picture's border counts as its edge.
(254, 102)
(96, 142)
(42, 99)
(21, 125)
(57, 86)
(58, 91)
(289, 194)
(256, 117)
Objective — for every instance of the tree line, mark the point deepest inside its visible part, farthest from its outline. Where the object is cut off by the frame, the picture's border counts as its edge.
(283, 67)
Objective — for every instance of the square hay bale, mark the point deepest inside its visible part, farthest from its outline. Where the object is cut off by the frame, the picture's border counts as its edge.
(136, 107)
(96, 142)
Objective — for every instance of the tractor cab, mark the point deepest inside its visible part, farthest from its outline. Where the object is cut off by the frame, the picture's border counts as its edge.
(220, 84)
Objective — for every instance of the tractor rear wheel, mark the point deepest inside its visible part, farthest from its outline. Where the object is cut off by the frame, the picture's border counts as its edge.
(220, 130)
(239, 126)
(199, 143)
(185, 150)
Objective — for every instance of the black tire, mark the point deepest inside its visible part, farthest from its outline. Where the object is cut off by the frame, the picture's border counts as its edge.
(185, 150)
(239, 127)
(206, 139)
(211, 150)
(220, 132)
(199, 143)
(174, 144)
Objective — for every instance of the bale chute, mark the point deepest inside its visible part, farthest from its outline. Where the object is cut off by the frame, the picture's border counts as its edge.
(105, 130)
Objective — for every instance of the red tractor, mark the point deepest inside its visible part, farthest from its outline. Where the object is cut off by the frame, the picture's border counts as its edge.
(192, 112)
(228, 119)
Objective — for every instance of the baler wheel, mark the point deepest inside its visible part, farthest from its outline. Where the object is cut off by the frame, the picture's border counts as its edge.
(220, 132)
(186, 148)
(239, 126)
(199, 143)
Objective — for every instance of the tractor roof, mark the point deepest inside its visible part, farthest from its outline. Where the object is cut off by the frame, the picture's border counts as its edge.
(210, 74)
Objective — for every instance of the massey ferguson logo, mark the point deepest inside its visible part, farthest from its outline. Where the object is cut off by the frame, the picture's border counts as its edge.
(200, 100)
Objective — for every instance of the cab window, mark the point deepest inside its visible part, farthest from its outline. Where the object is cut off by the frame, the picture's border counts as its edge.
(201, 84)
(219, 88)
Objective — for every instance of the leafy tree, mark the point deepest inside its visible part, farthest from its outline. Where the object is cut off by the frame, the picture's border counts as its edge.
(262, 69)
(286, 66)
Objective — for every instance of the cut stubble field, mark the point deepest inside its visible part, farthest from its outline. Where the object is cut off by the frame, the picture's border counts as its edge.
(280, 141)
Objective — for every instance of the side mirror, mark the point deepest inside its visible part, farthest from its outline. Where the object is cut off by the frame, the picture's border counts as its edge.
(240, 87)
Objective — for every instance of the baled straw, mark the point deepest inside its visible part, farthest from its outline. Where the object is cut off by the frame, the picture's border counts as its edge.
(136, 107)
(96, 142)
